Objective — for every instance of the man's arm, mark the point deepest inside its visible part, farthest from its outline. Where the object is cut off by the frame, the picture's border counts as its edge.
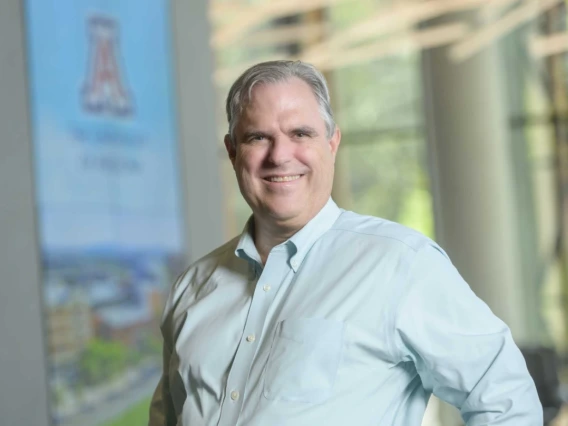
(463, 353)
(162, 411)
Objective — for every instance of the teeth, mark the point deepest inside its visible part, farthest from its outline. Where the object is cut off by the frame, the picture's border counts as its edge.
(283, 178)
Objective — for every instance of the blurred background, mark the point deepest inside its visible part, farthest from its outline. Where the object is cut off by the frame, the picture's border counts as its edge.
(454, 115)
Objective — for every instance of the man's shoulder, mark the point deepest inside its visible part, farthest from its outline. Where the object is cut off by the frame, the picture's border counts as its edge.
(202, 268)
(217, 256)
(196, 279)
(383, 231)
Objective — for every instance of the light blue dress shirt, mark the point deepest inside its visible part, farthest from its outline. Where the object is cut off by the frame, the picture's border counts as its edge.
(354, 320)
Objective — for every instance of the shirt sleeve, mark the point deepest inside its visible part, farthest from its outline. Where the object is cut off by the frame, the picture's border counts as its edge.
(463, 353)
(162, 411)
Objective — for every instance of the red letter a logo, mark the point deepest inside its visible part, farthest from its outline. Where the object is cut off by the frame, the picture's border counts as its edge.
(103, 91)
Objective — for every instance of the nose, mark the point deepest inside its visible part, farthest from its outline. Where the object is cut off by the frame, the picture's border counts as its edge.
(281, 151)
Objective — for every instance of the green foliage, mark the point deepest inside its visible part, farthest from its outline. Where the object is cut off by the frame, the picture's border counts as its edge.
(388, 179)
(136, 415)
(381, 95)
(344, 14)
(152, 346)
(102, 360)
(417, 212)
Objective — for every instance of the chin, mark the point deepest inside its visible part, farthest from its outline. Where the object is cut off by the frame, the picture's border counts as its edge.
(284, 213)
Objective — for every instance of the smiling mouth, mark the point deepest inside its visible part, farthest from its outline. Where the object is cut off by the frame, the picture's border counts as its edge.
(283, 178)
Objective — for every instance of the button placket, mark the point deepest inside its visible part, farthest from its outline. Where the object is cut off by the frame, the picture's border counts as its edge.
(274, 272)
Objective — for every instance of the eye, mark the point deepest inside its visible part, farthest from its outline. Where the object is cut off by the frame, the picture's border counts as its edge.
(255, 138)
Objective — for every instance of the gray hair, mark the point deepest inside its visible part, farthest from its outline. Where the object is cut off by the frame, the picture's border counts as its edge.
(272, 72)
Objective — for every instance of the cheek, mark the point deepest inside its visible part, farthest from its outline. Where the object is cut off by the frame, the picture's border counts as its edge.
(242, 164)
(246, 168)
(310, 156)
(317, 159)
(249, 160)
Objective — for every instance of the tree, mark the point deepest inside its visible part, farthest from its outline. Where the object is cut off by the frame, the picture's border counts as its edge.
(102, 360)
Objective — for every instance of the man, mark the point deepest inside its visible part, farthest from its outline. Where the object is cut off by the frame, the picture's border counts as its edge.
(320, 316)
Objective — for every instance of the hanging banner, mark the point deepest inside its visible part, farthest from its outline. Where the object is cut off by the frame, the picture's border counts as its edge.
(109, 201)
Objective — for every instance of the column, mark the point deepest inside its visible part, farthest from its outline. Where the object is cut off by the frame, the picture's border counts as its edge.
(473, 181)
(197, 126)
(23, 388)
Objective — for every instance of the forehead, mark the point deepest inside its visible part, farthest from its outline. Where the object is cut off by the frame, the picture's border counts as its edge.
(293, 93)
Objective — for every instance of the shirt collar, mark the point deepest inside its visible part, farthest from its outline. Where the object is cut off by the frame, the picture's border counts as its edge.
(300, 243)
(246, 248)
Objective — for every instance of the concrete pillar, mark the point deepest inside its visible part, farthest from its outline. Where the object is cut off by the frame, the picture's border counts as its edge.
(469, 143)
(472, 176)
(197, 127)
(23, 385)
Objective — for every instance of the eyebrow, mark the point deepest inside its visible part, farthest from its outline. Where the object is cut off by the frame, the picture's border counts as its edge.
(255, 133)
(300, 129)
(305, 129)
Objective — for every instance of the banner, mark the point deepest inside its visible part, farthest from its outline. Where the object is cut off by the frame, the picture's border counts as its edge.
(109, 201)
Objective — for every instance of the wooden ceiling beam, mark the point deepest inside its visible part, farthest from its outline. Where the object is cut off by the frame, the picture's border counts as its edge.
(544, 46)
(342, 57)
(400, 18)
(490, 33)
(294, 33)
(410, 42)
(253, 16)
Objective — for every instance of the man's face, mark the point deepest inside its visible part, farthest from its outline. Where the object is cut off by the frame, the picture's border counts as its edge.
(283, 160)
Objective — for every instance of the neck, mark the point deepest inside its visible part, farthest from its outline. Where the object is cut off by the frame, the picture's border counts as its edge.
(267, 236)
(269, 232)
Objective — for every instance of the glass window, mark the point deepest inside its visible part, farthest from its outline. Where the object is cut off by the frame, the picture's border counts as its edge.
(381, 167)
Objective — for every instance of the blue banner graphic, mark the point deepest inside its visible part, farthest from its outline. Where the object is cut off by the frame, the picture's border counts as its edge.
(109, 202)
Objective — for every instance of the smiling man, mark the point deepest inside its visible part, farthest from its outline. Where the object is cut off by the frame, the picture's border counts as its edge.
(319, 316)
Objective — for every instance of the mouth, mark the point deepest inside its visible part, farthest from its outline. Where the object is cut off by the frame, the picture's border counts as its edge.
(280, 179)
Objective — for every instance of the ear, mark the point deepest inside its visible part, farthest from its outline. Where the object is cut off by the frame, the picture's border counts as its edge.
(335, 141)
(231, 149)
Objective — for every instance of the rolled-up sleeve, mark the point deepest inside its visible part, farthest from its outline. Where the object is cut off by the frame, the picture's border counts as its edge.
(463, 353)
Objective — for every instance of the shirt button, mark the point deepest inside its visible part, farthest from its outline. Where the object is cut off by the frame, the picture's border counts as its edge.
(235, 395)
(294, 264)
(266, 288)
(250, 338)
